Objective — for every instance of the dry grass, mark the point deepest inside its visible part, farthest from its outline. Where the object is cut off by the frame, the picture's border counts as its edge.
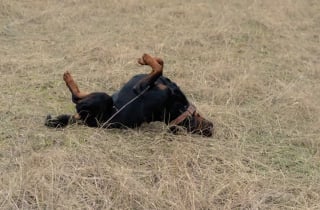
(251, 66)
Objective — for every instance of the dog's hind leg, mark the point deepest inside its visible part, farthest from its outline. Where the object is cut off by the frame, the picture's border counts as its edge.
(157, 68)
(73, 87)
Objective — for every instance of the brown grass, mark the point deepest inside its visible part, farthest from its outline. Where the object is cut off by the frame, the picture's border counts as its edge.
(250, 66)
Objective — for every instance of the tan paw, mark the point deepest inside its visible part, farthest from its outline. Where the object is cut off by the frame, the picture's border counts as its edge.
(67, 77)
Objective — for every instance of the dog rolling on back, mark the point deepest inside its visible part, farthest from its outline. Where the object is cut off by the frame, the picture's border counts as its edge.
(144, 98)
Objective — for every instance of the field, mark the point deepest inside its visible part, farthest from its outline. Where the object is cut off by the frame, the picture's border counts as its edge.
(251, 66)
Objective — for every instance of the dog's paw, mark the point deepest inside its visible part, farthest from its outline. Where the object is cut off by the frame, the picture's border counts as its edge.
(67, 76)
(48, 121)
(53, 122)
(141, 61)
(146, 59)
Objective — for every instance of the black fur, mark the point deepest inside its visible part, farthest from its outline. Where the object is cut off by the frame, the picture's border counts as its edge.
(164, 101)
(59, 121)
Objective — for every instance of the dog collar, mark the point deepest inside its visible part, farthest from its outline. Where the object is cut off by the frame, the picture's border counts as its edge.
(189, 112)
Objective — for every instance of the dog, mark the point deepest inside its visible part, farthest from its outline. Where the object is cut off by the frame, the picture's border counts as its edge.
(144, 98)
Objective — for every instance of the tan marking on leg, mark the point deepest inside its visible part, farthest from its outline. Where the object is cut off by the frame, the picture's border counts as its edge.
(157, 68)
(77, 116)
(148, 60)
(142, 62)
(159, 60)
(73, 87)
(162, 86)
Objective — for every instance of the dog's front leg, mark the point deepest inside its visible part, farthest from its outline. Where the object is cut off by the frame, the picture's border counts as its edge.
(157, 68)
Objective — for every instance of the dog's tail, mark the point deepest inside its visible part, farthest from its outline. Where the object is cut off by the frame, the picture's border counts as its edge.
(60, 121)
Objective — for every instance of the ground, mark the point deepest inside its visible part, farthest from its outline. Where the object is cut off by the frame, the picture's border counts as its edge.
(251, 66)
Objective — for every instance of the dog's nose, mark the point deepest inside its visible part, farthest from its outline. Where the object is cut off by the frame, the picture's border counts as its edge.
(208, 130)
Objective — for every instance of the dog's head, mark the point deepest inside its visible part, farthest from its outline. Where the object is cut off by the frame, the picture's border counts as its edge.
(199, 125)
(185, 114)
(193, 122)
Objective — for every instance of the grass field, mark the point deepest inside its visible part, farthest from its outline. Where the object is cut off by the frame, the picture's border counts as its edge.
(251, 66)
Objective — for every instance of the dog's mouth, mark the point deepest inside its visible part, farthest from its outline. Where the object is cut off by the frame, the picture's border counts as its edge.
(199, 125)
(195, 124)
(206, 131)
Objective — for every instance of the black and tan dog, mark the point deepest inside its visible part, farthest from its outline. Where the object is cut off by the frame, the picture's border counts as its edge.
(144, 98)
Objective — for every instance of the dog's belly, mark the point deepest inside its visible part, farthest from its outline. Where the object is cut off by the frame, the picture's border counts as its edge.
(133, 109)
